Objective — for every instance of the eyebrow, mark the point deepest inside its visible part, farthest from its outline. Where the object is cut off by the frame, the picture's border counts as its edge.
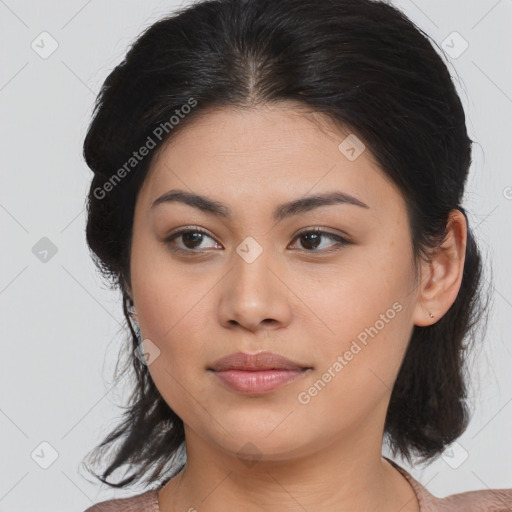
(281, 212)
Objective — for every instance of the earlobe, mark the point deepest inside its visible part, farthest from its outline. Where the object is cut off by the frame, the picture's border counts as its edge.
(443, 274)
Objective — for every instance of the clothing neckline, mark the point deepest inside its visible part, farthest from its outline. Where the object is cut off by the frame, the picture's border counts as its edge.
(154, 504)
(423, 495)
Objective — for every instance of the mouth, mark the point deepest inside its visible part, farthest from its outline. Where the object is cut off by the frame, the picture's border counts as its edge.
(256, 373)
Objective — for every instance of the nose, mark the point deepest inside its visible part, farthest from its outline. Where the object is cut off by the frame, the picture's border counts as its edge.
(254, 295)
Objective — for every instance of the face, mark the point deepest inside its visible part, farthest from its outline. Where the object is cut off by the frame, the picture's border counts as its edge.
(339, 301)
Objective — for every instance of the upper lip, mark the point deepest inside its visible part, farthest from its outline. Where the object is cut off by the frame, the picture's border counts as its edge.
(253, 362)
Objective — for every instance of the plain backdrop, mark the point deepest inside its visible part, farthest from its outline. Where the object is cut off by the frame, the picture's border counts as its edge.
(60, 323)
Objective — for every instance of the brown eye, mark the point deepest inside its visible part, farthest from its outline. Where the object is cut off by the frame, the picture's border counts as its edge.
(191, 240)
(311, 240)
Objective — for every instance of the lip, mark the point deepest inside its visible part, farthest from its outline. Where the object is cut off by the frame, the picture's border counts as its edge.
(261, 361)
(256, 373)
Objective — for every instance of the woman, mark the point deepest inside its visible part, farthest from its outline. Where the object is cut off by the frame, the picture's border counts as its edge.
(277, 193)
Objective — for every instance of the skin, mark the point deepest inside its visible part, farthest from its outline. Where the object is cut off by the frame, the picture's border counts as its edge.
(299, 301)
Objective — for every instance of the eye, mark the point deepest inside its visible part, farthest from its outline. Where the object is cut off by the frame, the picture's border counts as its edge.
(191, 239)
(312, 240)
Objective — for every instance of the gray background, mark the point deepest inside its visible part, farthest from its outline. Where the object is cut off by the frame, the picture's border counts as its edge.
(60, 322)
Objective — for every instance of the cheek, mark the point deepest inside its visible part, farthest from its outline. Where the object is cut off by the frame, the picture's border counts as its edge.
(176, 323)
(346, 298)
(358, 369)
(166, 292)
(362, 311)
(174, 311)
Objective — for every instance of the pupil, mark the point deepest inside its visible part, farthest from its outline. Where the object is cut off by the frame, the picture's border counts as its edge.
(314, 236)
(196, 236)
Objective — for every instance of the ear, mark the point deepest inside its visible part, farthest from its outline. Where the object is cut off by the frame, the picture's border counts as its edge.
(441, 277)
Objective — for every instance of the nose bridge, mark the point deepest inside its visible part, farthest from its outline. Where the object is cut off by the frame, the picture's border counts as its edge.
(252, 263)
(252, 293)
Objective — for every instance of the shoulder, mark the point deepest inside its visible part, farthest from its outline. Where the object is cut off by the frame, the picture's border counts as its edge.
(488, 500)
(145, 502)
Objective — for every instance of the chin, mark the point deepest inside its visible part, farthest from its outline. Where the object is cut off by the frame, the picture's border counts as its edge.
(263, 442)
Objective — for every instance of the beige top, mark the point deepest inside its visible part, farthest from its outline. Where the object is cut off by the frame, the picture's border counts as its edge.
(489, 500)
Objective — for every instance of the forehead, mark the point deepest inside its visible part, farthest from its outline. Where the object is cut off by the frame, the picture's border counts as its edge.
(272, 151)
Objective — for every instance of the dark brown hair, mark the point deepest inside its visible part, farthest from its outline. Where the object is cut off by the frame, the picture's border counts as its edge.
(367, 67)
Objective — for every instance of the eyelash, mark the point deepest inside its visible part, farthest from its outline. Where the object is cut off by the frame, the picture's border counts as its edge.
(340, 241)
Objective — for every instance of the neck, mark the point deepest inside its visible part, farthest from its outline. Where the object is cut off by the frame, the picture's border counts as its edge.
(338, 478)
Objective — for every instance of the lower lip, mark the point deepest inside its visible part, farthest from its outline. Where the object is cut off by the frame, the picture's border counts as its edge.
(257, 382)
